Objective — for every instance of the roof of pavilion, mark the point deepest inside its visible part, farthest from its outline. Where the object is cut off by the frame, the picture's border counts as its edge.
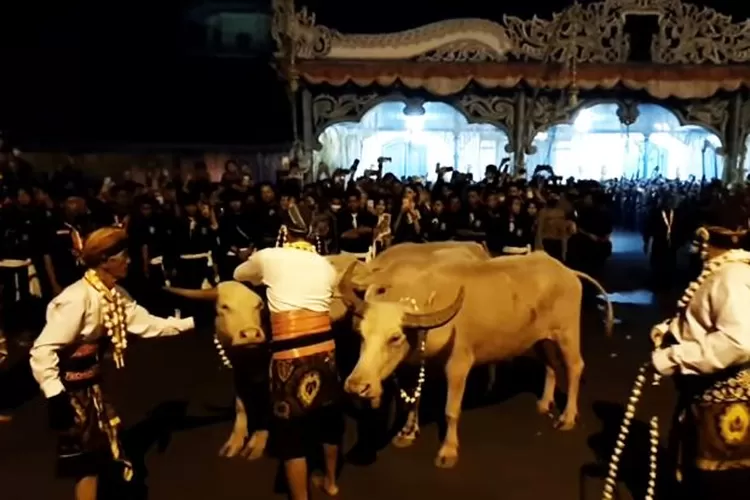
(697, 51)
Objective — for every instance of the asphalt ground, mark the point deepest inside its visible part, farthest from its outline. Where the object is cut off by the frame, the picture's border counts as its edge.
(175, 402)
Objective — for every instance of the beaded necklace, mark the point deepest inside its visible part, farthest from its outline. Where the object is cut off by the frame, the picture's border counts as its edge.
(115, 319)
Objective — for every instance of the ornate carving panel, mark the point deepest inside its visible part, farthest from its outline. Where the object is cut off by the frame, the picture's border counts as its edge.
(328, 109)
(543, 112)
(592, 33)
(711, 113)
(628, 112)
(498, 111)
(463, 51)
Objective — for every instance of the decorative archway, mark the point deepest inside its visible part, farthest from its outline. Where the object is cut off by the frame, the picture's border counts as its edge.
(632, 140)
(416, 135)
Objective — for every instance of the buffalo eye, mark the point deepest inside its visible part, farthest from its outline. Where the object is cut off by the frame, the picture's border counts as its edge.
(395, 339)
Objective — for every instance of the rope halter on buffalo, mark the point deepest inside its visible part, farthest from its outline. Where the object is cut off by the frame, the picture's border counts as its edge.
(412, 421)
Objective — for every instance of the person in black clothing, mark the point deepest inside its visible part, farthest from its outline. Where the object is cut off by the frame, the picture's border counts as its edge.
(355, 226)
(438, 226)
(471, 224)
(517, 234)
(267, 218)
(236, 235)
(662, 237)
(22, 253)
(194, 243)
(408, 225)
(66, 233)
(591, 245)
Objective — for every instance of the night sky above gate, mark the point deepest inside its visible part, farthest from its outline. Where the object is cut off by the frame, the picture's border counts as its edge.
(118, 72)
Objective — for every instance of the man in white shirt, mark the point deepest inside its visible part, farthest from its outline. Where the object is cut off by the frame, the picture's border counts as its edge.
(706, 346)
(305, 387)
(91, 316)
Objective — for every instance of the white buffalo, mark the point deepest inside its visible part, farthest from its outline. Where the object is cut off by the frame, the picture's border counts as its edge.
(238, 326)
(470, 313)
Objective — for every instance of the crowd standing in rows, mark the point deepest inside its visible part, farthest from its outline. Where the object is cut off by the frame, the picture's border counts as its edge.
(67, 235)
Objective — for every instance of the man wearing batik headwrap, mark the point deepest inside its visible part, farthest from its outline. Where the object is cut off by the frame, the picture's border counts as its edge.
(305, 388)
(90, 317)
(706, 346)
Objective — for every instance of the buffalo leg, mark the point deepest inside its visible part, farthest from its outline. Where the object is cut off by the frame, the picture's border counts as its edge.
(410, 431)
(550, 356)
(547, 402)
(571, 353)
(237, 438)
(457, 371)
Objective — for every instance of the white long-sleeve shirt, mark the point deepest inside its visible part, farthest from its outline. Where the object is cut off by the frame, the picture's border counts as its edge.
(713, 333)
(76, 316)
(296, 279)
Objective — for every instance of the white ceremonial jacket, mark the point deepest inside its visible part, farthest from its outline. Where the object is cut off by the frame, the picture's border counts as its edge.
(76, 316)
(296, 279)
(713, 332)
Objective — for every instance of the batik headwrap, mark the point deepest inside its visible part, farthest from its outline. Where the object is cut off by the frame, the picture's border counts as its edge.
(298, 221)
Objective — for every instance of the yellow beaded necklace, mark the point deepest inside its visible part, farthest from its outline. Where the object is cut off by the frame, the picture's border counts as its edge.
(301, 245)
(115, 320)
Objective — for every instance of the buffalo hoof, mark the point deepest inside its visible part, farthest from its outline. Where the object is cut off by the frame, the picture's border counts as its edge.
(234, 445)
(565, 423)
(405, 439)
(545, 407)
(255, 446)
(447, 457)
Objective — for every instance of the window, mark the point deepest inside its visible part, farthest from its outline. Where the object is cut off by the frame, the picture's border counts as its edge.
(487, 154)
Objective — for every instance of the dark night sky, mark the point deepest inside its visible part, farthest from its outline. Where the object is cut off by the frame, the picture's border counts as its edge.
(82, 72)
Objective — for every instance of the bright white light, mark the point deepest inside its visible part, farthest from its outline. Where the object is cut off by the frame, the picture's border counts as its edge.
(542, 136)
(715, 141)
(584, 121)
(661, 127)
(414, 123)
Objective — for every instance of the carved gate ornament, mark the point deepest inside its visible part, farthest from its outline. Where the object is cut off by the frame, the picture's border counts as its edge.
(544, 112)
(711, 114)
(328, 110)
(744, 138)
(494, 110)
(628, 112)
(592, 33)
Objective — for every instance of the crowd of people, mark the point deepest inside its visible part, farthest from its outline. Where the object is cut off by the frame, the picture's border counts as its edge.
(190, 231)
(67, 234)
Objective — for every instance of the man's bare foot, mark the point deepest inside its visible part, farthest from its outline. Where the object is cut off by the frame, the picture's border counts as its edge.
(328, 487)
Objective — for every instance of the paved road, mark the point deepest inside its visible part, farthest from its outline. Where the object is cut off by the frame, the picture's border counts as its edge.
(171, 392)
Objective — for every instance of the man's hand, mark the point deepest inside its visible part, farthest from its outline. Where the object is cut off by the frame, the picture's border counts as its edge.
(62, 415)
(658, 332)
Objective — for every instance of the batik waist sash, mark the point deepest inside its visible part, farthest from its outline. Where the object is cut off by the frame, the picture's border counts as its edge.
(300, 333)
(80, 367)
(717, 422)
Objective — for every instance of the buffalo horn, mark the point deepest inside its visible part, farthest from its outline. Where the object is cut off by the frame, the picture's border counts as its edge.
(347, 291)
(434, 319)
(210, 294)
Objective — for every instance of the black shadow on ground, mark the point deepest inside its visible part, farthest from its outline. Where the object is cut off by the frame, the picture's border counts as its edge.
(634, 461)
(155, 430)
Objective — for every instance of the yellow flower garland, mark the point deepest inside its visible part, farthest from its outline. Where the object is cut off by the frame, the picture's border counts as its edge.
(301, 245)
(115, 319)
